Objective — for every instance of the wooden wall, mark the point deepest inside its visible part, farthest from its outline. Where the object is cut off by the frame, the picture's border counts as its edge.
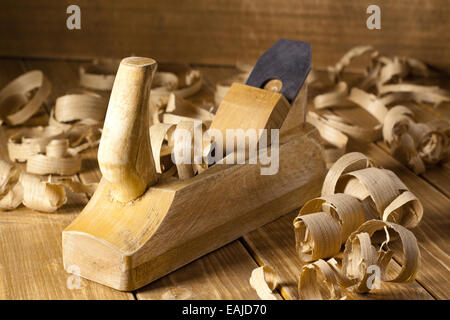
(223, 31)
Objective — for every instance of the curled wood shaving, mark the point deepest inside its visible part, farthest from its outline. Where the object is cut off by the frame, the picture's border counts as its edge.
(336, 71)
(179, 109)
(369, 102)
(383, 84)
(18, 103)
(166, 83)
(317, 235)
(329, 280)
(347, 210)
(29, 190)
(359, 254)
(336, 97)
(382, 255)
(33, 191)
(46, 150)
(318, 281)
(159, 133)
(74, 127)
(348, 162)
(57, 160)
(265, 281)
(185, 170)
(353, 186)
(414, 92)
(335, 141)
(29, 142)
(165, 141)
(74, 186)
(41, 195)
(416, 144)
(73, 107)
(10, 194)
(356, 132)
(99, 75)
(391, 198)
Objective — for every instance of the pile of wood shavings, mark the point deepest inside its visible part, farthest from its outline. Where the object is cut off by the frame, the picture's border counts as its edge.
(370, 220)
(386, 82)
(74, 125)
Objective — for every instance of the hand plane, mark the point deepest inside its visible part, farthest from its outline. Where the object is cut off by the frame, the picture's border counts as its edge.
(137, 227)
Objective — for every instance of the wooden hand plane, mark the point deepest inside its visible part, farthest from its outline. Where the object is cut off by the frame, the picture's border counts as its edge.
(136, 229)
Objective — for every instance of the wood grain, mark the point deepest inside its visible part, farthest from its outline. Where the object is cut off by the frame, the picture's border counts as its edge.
(30, 257)
(223, 32)
(274, 245)
(222, 274)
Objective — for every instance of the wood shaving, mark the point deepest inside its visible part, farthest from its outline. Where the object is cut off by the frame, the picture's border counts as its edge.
(99, 75)
(335, 141)
(384, 83)
(76, 120)
(41, 195)
(166, 144)
(265, 281)
(336, 97)
(318, 281)
(355, 190)
(409, 251)
(18, 103)
(29, 142)
(416, 144)
(324, 224)
(74, 126)
(35, 192)
(58, 159)
(167, 83)
(74, 107)
(179, 109)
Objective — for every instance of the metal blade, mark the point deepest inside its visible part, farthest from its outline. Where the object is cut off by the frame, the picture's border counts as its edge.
(288, 61)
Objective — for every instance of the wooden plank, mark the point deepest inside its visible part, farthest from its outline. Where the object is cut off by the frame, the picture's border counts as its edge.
(222, 274)
(31, 258)
(223, 32)
(30, 254)
(274, 245)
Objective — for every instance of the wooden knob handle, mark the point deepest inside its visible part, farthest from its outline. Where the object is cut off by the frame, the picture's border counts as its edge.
(125, 156)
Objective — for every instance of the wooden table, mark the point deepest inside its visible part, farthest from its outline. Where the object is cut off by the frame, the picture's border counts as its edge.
(30, 242)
